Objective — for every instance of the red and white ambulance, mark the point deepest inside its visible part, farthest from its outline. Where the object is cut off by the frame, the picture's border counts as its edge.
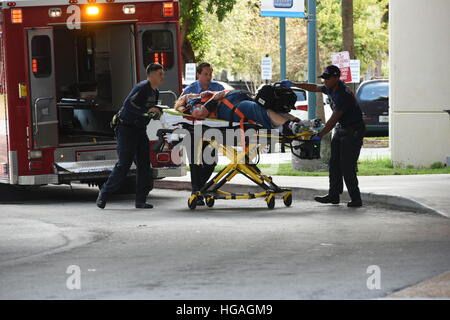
(65, 68)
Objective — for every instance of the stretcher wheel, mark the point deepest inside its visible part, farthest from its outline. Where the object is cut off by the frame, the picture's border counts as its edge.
(192, 202)
(270, 200)
(287, 199)
(209, 201)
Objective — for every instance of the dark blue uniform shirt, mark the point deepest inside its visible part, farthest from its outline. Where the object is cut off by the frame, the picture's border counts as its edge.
(138, 101)
(344, 100)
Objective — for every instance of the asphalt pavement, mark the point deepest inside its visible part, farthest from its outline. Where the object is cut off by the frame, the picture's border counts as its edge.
(55, 244)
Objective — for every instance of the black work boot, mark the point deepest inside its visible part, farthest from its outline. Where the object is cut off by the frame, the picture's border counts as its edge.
(101, 200)
(144, 205)
(200, 201)
(354, 203)
(328, 199)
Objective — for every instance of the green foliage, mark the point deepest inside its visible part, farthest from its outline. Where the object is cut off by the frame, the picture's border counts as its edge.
(370, 29)
(437, 165)
(220, 7)
(193, 17)
(238, 41)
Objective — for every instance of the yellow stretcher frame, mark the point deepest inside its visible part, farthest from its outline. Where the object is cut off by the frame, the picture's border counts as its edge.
(240, 163)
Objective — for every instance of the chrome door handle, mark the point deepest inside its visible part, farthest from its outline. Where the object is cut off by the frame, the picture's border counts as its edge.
(36, 128)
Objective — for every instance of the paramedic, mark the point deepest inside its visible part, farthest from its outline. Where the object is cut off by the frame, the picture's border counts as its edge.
(200, 173)
(348, 138)
(132, 139)
(204, 80)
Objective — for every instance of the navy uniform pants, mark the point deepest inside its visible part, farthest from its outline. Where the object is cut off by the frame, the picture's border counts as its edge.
(201, 167)
(132, 145)
(345, 148)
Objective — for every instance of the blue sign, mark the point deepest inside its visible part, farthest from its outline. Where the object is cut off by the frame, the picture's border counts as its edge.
(283, 3)
(283, 8)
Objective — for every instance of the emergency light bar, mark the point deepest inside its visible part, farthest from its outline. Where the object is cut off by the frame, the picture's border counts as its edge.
(54, 12)
(16, 16)
(92, 10)
(129, 9)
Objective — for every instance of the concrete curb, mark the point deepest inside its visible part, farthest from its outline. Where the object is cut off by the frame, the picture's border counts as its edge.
(378, 200)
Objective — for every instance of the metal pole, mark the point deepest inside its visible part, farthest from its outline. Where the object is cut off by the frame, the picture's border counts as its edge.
(312, 77)
(282, 48)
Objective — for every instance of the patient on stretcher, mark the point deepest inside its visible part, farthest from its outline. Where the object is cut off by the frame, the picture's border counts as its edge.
(235, 105)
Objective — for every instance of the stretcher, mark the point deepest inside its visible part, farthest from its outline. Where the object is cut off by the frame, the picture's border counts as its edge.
(242, 158)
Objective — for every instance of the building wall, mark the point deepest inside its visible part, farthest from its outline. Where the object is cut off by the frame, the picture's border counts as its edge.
(419, 81)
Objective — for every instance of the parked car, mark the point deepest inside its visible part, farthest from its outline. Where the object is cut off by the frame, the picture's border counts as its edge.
(373, 98)
(301, 105)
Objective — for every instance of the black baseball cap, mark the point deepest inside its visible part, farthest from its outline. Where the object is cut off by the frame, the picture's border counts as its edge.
(330, 71)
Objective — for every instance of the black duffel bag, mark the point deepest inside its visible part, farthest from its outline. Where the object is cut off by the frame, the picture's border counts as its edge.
(276, 97)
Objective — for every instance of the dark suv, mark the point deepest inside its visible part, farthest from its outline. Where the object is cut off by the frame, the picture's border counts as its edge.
(373, 98)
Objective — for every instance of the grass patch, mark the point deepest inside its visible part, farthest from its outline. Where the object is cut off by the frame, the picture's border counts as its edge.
(376, 138)
(377, 167)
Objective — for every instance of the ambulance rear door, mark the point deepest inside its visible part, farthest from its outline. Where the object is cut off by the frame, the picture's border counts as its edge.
(42, 87)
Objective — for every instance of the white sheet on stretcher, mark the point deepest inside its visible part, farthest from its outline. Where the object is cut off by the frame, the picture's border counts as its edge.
(169, 119)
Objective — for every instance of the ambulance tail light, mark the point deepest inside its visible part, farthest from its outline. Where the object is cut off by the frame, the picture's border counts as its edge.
(163, 58)
(163, 157)
(168, 9)
(35, 154)
(16, 16)
(54, 12)
(129, 9)
(34, 65)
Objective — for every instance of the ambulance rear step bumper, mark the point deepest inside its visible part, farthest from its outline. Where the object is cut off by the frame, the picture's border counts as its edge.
(94, 170)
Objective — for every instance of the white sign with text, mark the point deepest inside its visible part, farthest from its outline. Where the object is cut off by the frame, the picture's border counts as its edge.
(266, 68)
(190, 73)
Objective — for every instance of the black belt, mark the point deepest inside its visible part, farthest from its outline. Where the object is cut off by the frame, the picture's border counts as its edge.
(353, 125)
(132, 124)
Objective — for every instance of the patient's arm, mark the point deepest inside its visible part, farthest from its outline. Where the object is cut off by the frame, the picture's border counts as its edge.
(181, 103)
(219, 95)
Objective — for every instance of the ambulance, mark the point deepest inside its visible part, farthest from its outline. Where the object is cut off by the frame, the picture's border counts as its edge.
(66, 67)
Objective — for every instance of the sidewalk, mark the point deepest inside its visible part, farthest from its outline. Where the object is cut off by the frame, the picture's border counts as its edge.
(421, 193)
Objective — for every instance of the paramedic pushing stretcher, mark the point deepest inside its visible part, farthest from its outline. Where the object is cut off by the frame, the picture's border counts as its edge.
(348, 138)
(200, 173)
(132, 141)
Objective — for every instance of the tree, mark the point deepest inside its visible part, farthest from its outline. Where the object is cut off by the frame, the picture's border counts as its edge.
(237, 42)
(370, 30)
(192, 31)
(347, 27)
(240, 41)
